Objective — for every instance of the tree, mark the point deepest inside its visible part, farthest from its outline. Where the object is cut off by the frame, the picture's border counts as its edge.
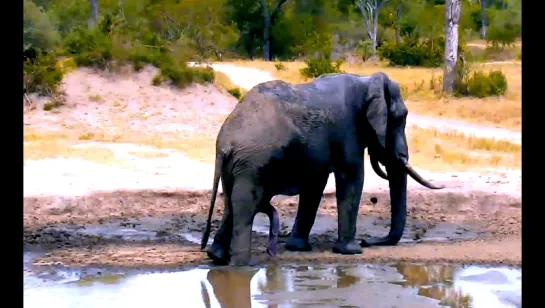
(94, 13)
(370, 10)
(268, 22)
(399, 10)
(483, 18)
(452, 17)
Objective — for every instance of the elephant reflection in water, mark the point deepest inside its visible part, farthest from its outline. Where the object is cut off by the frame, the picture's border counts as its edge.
(231, 287)
(439, 276)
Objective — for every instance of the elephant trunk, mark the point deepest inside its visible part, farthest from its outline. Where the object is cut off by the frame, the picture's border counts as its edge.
(398, 199)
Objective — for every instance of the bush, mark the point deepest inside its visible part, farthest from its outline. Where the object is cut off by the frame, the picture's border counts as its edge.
(41, 75)
(39, 31)
(235, 92)
(279, 66)
(413, 53)
(89, 47)
(481, 84)
(364, 49)
(317, 66)
(502, 36)
(182, 76)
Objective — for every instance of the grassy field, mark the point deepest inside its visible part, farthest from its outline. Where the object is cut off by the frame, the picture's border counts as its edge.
(421, 87)
(429, 148)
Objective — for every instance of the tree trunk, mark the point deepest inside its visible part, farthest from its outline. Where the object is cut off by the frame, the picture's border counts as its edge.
(374, 37)
(94, 13)
(483, 19)
(268, 21)
(398, 22)
(452, 17)
(266, 31)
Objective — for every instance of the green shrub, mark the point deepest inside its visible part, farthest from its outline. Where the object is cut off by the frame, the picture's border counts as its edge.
(317, 66)
(89, 47)
(157, 80)
(182, 76)
(235, 92)
(364, 49)
(41, 75)
(279, 66)
(481, 84)
(413, 53)
(502, 36)
(39, 31)
(54, 103)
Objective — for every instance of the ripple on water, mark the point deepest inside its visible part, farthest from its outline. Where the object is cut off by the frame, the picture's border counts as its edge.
(409, 285)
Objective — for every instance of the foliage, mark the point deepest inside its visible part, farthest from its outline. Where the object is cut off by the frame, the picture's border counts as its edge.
(182, 76)
(414, 53)
(479, 83)
(279, 66)
(169, 33)
(317, 66)
(41, 75)
(364, 49)
(235, 92)
(89, 47)
(39, 31)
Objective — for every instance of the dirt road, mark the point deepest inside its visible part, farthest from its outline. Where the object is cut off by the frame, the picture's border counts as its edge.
(143, 205)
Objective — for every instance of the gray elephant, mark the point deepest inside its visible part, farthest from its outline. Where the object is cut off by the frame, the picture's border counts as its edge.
(284, 139)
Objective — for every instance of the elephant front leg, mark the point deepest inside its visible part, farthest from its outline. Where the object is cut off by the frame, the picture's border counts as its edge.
(309, 201)
(349, 185)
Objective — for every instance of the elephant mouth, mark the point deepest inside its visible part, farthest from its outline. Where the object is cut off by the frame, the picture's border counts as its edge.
(408, 168)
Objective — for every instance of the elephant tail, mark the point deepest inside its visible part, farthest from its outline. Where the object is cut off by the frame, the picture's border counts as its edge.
(217, 175)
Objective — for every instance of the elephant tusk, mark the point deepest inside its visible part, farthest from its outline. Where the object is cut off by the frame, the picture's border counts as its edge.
(377, 169)
(419, 178)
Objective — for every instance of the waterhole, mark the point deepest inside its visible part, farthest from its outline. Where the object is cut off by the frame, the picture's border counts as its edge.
(363, 285)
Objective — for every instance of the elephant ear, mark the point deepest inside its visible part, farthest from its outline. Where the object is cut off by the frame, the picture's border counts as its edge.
(377, 109)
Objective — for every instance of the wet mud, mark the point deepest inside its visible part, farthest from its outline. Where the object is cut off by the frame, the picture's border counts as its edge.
(158, 229)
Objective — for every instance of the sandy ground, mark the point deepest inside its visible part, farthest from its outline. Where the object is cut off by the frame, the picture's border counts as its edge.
(145, 203)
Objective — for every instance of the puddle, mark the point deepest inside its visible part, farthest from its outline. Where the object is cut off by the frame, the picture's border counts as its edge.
(366, 285)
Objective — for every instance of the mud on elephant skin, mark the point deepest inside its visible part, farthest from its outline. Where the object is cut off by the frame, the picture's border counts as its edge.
(284, 139)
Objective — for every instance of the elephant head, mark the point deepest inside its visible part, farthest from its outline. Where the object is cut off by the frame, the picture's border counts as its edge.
(386, 114)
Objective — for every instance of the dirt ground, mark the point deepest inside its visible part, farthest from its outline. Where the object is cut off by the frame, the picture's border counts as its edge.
(145, 202)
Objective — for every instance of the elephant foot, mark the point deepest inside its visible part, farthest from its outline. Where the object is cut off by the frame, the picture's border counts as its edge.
(347, 248)
(218, 254)
(297, 244)
(379, 241)
(271, 250)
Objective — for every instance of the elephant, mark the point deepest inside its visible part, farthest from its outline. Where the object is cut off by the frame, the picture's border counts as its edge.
(286, 139)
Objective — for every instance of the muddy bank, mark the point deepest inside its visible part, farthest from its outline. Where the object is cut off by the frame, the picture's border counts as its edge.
(164, 229)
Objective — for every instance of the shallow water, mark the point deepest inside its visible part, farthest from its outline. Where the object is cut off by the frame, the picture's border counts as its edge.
(367, 285)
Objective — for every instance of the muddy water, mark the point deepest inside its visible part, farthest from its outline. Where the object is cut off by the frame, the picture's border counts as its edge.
(366, 285)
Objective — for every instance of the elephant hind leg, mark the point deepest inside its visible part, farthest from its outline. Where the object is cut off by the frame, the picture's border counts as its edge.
(245, 198)
(219, 250)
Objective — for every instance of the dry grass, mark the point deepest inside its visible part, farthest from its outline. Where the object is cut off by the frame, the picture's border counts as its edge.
(442, 151)
(429, 148)
(223, 81)
(421, 91)
(40, 145)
